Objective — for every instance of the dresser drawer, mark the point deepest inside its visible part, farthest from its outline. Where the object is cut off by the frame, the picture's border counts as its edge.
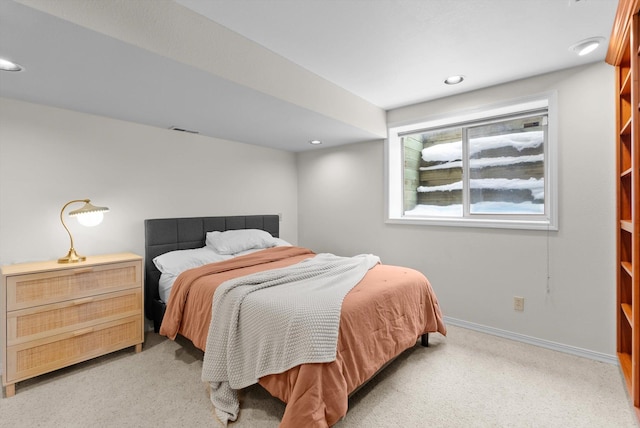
(42, 321)
(40, 356)
(24, 291)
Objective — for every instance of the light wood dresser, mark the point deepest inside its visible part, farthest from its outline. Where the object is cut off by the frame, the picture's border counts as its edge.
(55, 315)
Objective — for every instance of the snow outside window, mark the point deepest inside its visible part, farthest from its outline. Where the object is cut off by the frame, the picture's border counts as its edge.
(491, 167)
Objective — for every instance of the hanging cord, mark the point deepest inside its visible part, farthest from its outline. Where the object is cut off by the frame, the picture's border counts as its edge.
(548, 261)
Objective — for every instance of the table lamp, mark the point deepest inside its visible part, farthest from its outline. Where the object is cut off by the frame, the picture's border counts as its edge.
(88, 215)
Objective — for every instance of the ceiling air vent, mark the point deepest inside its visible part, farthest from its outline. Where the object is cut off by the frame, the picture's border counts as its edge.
(175, 128)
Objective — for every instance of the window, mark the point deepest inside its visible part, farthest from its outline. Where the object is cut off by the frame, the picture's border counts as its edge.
(492, 167)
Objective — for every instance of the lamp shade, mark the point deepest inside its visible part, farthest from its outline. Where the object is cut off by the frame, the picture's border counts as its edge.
(89, 214)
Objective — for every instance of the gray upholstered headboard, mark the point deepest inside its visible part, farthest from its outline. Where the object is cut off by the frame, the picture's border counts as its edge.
(168, 234)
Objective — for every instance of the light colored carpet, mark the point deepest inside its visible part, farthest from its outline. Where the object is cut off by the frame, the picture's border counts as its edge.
(468, 379)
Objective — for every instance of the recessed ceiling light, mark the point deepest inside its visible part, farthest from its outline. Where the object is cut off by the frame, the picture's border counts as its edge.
(6, 65)
(315, 142)
(586, 46)
(454, 80)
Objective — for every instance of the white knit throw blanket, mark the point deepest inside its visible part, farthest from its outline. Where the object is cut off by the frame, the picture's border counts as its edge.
(258, 329)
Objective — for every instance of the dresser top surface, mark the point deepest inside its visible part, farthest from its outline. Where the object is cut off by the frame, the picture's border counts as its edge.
(52, 265)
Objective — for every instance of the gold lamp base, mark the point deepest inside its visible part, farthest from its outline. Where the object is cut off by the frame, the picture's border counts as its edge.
(72, 257)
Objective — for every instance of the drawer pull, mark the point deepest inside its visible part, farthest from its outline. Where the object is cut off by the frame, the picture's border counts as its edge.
(82, 332)
(83, 301)
(81, 271)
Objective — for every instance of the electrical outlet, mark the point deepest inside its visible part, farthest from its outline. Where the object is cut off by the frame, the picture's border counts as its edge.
(518, 303)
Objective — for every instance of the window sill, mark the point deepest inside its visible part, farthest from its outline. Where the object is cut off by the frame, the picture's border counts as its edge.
(477, 222)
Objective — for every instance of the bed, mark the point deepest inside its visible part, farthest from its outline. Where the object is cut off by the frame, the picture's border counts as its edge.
(382, 316)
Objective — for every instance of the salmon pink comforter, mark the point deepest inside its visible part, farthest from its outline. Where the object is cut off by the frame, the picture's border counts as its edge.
(381, 317)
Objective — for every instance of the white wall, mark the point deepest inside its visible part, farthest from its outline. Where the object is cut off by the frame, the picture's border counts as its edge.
(332, 202)
(477, 272)
(49, 156)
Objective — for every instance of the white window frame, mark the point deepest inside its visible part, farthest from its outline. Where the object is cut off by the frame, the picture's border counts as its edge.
(394, 161)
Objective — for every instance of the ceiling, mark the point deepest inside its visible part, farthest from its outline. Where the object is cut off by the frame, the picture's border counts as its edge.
(280, 73)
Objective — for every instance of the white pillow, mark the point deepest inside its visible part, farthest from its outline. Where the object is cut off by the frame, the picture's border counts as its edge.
(235, 241)
(278, 243)
(176, 262)
(282, 243)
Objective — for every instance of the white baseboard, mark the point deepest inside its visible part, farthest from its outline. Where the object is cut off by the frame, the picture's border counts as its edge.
(567, 349)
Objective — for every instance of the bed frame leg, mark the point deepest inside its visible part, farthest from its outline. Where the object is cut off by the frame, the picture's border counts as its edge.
(425, 340)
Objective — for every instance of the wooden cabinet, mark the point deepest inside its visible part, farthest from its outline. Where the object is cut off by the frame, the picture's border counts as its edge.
(54, 315)
(624, 54)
